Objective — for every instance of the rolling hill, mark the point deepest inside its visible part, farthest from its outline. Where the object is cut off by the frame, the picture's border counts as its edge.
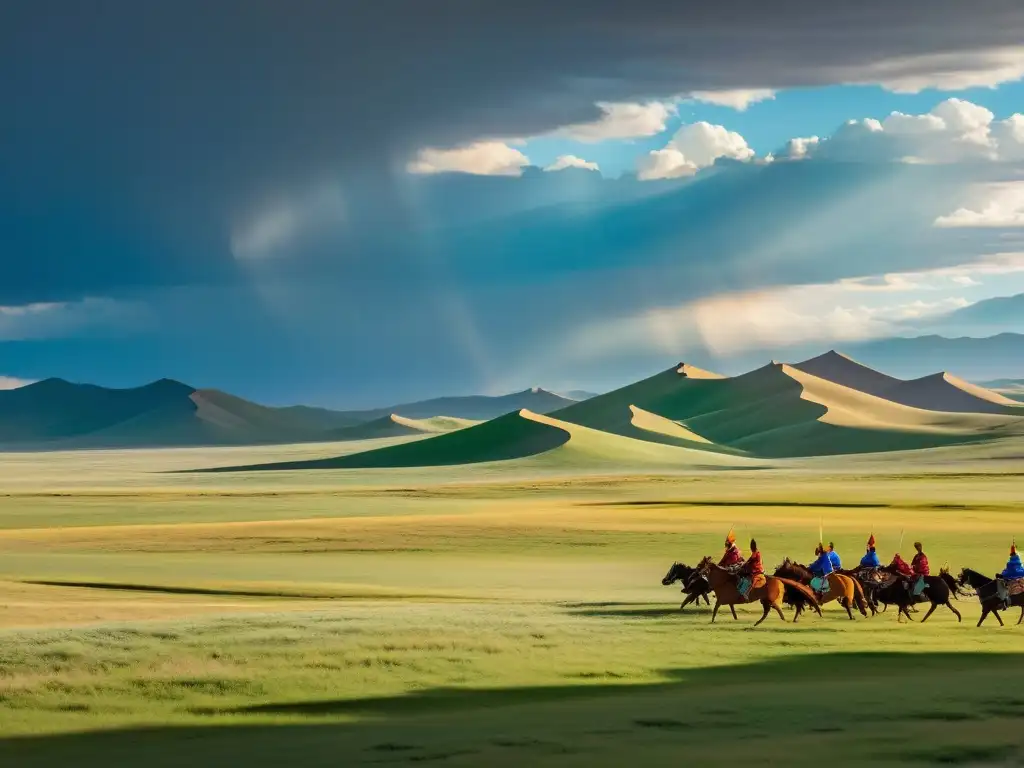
(686, 417)
(936, 392)
(473, 407)
(542, 440)
(56, 414)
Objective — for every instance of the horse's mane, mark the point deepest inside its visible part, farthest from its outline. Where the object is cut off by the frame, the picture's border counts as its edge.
(791, 566)
(971, 572)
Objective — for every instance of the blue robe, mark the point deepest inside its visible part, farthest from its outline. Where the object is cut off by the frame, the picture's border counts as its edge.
(833, 557)
(822, 566)
(870, 560)
(1014, 569)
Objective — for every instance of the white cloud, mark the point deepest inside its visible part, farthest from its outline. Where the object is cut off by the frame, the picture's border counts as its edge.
(622, 121)
(953, 71)
(737, 99)
(1008, 135)
(666, 163)
(571, 161)
(483, 158)
(12, 382)
(694, 146)
(954, 131)
(797, 148)
(965, 280)
(1002, 205)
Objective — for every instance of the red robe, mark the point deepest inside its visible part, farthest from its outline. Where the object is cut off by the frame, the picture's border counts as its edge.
(732, 557)
(753, 566)
(920, 565)
(901, 566)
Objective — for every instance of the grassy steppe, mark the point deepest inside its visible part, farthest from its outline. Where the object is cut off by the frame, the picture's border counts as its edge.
(505, 614)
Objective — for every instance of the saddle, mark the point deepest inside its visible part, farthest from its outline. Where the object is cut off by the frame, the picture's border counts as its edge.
(1015, 587)
(995, 590)
(876, 577)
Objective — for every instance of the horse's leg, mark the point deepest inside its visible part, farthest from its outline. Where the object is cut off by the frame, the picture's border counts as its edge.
(984, 615)
(767, 607)
(778, 609)
(714, 613)
(847, 604)
(996, 614)
(689, 599)
(1021, 619)
(955, 611)
(733, 609)
(799, 610)
(930, 612)
(706, 601)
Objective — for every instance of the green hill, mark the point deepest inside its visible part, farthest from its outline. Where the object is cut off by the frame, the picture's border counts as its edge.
(541, 440)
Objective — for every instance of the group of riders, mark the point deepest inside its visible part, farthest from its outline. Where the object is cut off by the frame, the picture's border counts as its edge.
(751, 573)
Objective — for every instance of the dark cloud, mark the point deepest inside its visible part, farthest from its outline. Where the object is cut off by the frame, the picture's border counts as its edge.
(142, 142)
(137, 135)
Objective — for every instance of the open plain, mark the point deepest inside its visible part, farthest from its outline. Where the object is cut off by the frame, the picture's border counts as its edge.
(502, 613)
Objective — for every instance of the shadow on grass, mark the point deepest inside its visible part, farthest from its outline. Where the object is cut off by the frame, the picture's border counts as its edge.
(637, 610)
(938, 707)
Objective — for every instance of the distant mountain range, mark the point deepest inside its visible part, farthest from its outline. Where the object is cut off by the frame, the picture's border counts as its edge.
(1011, 388)
(687, 417)
(56, 414)
(1002, 313)
(975, 359)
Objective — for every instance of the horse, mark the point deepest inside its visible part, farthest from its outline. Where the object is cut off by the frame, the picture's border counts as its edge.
(695, 586)
(937, 591)
(993, 604)
(723, 582)
(868, 586)
(840, 587)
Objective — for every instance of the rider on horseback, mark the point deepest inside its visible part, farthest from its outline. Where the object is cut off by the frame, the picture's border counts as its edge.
(833, 556)
(920, 568)
(732, 556)
(1014, 569)
(751, 572)
(870, 559)
(821, 568)
(899, 565)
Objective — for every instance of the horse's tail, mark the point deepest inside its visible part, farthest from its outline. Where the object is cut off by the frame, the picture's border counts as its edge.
(805, 591)
(862, 603)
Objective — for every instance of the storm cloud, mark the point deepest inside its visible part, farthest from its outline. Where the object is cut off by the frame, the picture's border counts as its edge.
(240, 167)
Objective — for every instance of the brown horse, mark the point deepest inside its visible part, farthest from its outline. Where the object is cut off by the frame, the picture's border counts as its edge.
(842, 588)
(723, 582)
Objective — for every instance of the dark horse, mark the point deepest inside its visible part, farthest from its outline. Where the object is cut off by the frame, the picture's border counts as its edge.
(938, 590)
(695, 586)
(845, 589)
(990, 600)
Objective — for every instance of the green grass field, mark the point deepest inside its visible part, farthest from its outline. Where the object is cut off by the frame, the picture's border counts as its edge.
(499, 614)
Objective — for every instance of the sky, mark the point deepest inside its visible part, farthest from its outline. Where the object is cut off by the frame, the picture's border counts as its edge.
(372, 202)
